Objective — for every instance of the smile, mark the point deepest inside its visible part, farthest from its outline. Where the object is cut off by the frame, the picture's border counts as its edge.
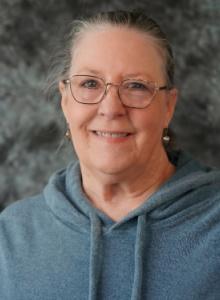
(109, 134)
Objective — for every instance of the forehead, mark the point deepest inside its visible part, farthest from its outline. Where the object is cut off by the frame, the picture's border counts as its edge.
(118, 51)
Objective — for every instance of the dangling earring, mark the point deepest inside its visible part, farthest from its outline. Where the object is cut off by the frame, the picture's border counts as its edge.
(68, 133)
(166, 137)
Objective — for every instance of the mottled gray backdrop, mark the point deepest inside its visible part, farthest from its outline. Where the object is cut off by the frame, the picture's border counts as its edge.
(32, 128)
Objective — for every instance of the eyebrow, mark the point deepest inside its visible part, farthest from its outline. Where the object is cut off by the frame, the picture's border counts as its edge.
(141, 75)
(85, 71)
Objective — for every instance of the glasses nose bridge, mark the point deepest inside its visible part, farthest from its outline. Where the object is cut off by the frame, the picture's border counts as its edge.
(108, 84)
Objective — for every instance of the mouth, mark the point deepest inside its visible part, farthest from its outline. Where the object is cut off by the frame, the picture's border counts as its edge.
(112, 136)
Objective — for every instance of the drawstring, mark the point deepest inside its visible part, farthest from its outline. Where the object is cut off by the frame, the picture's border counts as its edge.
(95, 263)
(138, 258)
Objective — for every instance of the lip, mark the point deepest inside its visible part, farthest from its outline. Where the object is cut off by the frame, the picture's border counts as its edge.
(112, 136)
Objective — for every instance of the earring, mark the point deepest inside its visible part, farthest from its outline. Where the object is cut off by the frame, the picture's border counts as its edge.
(166, 137)
(68, 134)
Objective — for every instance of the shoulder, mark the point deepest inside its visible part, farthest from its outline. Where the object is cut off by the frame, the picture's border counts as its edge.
(23, 215)
(23, 208)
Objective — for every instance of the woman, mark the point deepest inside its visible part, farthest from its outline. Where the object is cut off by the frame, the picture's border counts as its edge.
(127, 220)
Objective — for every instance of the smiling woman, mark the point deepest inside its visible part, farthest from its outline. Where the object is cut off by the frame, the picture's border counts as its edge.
(118, 139)
(128, 220)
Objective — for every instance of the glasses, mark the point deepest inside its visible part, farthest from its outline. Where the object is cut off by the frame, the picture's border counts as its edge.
(133, 93)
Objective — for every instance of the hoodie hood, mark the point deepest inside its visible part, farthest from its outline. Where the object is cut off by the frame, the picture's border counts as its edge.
(67, 201)
(65, 197)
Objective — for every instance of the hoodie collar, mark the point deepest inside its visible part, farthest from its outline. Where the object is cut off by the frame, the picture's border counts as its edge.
(67, 200)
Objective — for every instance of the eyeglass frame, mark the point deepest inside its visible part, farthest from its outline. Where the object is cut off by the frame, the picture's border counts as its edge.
(106, 84)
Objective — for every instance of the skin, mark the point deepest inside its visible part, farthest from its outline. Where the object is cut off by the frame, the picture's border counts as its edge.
(119, 174)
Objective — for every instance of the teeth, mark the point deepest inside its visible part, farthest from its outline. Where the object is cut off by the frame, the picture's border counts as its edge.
(111, 134)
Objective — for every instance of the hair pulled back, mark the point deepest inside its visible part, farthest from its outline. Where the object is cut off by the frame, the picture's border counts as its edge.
(61, 61)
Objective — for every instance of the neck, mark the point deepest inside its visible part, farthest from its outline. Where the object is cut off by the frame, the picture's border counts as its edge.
(117, 195)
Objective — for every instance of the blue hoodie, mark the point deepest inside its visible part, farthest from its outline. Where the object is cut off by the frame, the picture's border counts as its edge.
(56, 245)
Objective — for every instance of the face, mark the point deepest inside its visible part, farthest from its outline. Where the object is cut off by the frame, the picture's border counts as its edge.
(109, 137)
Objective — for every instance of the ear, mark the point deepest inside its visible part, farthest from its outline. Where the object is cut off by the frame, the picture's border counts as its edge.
(170, 105)
(64, 99)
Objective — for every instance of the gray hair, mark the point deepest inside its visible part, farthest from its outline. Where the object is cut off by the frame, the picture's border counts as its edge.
(61, 62)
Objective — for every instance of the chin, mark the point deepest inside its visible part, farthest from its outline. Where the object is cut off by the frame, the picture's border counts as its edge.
(113, 167)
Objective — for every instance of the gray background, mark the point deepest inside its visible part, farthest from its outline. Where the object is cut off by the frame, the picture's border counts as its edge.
(32, 128)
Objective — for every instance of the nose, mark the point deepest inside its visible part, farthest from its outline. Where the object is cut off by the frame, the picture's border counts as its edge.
(111, 105)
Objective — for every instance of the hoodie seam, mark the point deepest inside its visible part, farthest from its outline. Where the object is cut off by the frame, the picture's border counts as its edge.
(186, 214)
(64, 222)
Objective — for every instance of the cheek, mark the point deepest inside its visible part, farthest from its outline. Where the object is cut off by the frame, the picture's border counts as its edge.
(77, 124)
(150, 121)
(79, 118)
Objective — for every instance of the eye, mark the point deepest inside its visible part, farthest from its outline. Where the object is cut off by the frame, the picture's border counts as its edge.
(90, 84)
(136, 85)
